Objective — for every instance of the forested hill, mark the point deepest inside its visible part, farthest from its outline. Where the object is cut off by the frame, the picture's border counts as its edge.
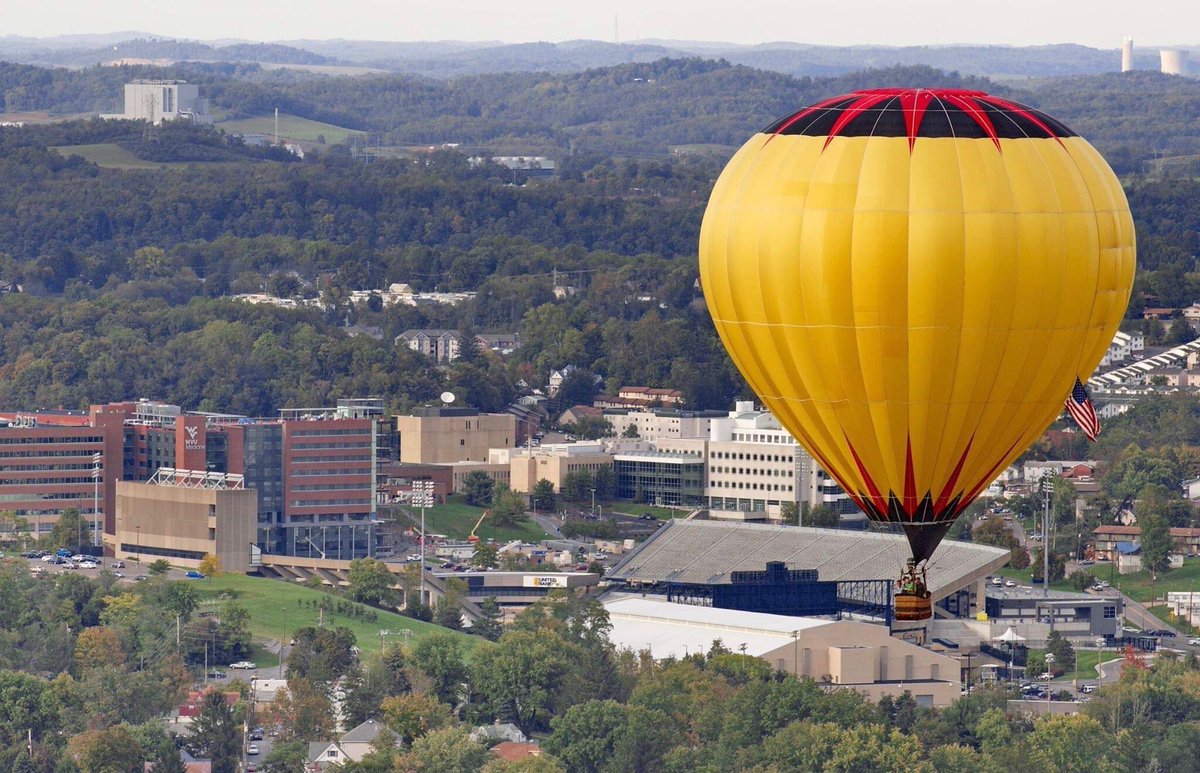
(632, 109)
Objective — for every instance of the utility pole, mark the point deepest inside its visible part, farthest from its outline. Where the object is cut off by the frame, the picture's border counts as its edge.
(176, 633)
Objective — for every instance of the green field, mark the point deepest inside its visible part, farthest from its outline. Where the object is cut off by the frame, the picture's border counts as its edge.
(111, 156)
(1086, 661)
(278, 608)
(456, 518)
(1140, 587)
(291, 127)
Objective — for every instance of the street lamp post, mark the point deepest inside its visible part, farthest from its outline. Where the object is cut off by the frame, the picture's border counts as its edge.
(593, 500)
(1049, 663)
(422, 497)
(96, 499)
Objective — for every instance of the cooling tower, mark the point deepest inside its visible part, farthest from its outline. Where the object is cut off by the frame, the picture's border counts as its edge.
(1174, 61)
(1127, 55)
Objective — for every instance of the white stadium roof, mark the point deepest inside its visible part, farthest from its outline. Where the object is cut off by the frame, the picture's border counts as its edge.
(676, 630)
(706, 552)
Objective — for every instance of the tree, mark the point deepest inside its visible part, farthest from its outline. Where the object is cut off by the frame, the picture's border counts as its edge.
(518, 676)
(448, 750)
(790, 513)
(98, 646)
(486, 555)
(210, 566)
(158, 748)
(1080, 580)
(303, 711)
(321, 654)
(541, 497)
(448, 614)
(1156, 543)
(995, 532)
(585, 735)
(1058, 565)
(591, 428)
(489, 624)
(1180, 332)
(477, 488)
(68, 529)
(371, 582)
(630, 431)
(216, 733)
(289, 757)
(577, 486)
(1073, 744)
(508, 509)
(440, 657)
(605, 481)
(159, 566)
(112, 750)
(412, 716)
(1020, 558)
(1061, 649)
(822, 517)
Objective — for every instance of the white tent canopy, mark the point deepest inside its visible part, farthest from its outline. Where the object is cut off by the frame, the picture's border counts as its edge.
(1010, 636)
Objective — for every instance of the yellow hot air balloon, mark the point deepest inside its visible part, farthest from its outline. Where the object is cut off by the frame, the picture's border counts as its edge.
(911, 280)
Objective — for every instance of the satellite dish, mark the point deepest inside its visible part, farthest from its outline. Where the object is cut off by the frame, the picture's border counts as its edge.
(447, 397)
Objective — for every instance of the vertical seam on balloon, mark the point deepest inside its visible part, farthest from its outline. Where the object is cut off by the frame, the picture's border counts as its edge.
(1099, 261)
(962, 187)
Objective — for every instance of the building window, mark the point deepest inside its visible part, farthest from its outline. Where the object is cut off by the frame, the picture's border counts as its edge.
(1110, 613)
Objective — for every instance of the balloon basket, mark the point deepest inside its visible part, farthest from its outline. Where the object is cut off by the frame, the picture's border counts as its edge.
(912, 607)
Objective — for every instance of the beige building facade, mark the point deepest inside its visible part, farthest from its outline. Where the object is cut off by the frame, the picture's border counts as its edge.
(449, 435)
(528, 466)
(183, 522)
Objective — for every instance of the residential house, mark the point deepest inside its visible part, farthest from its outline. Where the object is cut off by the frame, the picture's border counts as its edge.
(1110, 538)
(323, 755)
(352, 746)
(557, 377)
(576, 412)
(498, 731)
(650, 395)
(442, 345)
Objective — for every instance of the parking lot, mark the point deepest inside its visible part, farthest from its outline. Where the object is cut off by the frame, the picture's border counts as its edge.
(129, 571)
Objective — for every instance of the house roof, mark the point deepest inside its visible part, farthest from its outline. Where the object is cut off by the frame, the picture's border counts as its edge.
(317, 750)
(514, 752)
(366, 732)
(1116, 530)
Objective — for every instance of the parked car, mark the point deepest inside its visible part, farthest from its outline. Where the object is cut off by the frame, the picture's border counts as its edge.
(1088, 689)
(140, 578)
(242, 664)
(253, 749)
(214, 674)
(88, 565)
(118, 564)
(119, 575)
(413, 557)
(1010, 584)
(193, 574)
(1194, 641)
(1045, 676)
(256, 735)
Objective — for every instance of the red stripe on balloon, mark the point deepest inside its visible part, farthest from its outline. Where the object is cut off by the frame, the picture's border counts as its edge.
(913, 104)
(944, 498)
(852, 112)
(910, 483)
(980, 117)
(876, 497)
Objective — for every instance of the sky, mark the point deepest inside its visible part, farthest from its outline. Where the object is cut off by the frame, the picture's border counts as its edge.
(1097, 23)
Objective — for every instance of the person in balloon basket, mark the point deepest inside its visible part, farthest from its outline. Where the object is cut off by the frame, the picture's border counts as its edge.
(912, 581)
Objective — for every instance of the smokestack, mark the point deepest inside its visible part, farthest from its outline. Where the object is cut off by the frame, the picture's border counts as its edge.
(276, 126)
(1127, 55)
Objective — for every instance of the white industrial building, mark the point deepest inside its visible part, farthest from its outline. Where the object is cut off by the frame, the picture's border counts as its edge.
(842, 654)
(163, 100)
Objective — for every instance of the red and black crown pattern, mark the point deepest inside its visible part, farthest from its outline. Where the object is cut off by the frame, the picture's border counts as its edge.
(914, 113)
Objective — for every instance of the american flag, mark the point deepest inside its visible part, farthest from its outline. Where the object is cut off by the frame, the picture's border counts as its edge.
(1079, 405)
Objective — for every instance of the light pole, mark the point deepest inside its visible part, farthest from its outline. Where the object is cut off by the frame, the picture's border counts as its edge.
(1049, 664)
(137, 556)
(422, 497)
(1047, 487)
(96, 499)
(593, 500)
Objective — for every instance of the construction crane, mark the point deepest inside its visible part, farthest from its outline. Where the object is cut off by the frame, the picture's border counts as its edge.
(471, 537)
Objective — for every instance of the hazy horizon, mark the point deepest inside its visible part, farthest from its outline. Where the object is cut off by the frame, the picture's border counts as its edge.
(1099, 24)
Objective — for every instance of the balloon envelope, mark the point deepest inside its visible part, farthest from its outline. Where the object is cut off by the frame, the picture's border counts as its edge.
(911, 280)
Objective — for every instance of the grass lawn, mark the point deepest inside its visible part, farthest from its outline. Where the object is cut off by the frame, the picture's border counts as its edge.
(278, 608)
(1087, 660)
(1138, 586)
(109, 155)
(291, 127)
(456, 518)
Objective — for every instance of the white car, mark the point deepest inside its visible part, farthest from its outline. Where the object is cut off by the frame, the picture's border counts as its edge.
(1010, 584)
(413, 557)
(243, 664)
(87, 565)
(253, 749)
(1045, 677)
(1194, 641)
